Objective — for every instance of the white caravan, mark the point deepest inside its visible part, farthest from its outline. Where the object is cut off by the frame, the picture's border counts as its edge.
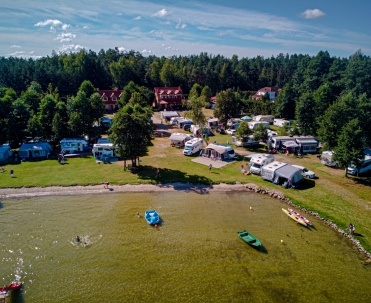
(254, 125)
(245, 141)
(193, 146)
(327, 158)
(281, 122)
(258, 161)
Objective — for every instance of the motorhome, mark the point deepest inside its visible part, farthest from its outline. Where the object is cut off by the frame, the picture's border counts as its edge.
(254, 125)
(258, 161)
(193, 146)
(103, 151)
(245, 141)
(327, 158)
(281, 122)
(264, 118)
(73, 145)
(365, 164)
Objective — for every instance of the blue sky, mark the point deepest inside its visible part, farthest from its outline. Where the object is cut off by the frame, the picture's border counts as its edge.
(35, 28)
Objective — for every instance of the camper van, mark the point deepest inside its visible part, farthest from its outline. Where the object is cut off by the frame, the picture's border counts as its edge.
(193, 146)
(254, 125)
(245, 141)
(281, 122)
(103, 151)
(264, 118)
(327, 158)
(258, 161)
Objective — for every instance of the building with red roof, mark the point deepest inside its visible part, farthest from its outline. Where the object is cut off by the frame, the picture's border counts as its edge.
(272, 93)
(110, 98)
(168, 97)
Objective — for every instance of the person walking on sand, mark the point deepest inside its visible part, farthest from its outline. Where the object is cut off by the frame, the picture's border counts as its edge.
(106, 185)
(158, 173)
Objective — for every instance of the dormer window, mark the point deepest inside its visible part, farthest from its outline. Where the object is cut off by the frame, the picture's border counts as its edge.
(114, 98)
(105, 98)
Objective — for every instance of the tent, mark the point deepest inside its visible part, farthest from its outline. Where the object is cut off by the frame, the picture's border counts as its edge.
(246, 118)
(5, 153)
(35, 150)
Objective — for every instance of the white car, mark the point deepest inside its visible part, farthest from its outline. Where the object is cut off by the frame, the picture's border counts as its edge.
(231, 131)
(306, 172)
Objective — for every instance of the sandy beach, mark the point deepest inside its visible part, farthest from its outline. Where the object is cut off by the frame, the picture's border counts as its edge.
(99, 189)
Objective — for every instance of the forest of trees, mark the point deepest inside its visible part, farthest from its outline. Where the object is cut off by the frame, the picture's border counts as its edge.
(55, 96)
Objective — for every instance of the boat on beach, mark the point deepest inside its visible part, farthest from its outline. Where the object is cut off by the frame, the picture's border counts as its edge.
(300, 216)
(152, 217)
(248, 238)
(294, 217)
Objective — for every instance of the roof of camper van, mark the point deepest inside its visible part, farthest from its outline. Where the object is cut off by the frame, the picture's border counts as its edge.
(274, 165)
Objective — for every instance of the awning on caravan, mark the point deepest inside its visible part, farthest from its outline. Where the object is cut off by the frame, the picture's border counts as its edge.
(290, 144)
(178, 137)
(219, 148)
(286, 171)
(306, 141)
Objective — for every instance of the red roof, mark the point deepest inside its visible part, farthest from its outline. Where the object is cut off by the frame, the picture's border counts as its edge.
(268, 89)
(108, 95)
(171, 95)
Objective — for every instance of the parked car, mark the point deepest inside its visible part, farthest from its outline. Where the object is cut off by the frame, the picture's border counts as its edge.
(306, 172)
(231, 131)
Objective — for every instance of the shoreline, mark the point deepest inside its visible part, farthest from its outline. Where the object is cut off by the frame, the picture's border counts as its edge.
(27, 192)
(22, 192)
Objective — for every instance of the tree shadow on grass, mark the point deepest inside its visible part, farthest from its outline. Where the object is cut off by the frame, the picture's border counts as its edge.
(177, 179)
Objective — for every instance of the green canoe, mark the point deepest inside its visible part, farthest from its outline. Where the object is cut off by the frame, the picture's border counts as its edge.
(249, 238)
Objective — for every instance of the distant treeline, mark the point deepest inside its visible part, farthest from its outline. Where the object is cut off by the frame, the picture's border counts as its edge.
(318, 91)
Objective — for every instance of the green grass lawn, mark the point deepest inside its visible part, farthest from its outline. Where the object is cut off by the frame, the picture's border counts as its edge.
(342, 200)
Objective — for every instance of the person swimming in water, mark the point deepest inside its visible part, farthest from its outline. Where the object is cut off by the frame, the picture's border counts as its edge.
(77, 239)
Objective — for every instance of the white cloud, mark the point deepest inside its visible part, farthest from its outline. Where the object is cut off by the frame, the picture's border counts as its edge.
(121, 49)
(156, 33)
(146, 51)
(70, 48)
(15, 46)
(53, 24)
(65, 26)
(65, 37)
(181, 25)
(313, 14)
(137, 18)
(161, 13)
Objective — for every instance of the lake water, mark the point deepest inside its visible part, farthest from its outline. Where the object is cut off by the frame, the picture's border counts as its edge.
(193, 256)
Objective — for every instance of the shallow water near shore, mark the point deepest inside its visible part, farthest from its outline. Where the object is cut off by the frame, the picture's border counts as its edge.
(193, 256)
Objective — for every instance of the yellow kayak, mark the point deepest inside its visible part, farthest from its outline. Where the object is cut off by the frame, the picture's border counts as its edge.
(294, 217)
